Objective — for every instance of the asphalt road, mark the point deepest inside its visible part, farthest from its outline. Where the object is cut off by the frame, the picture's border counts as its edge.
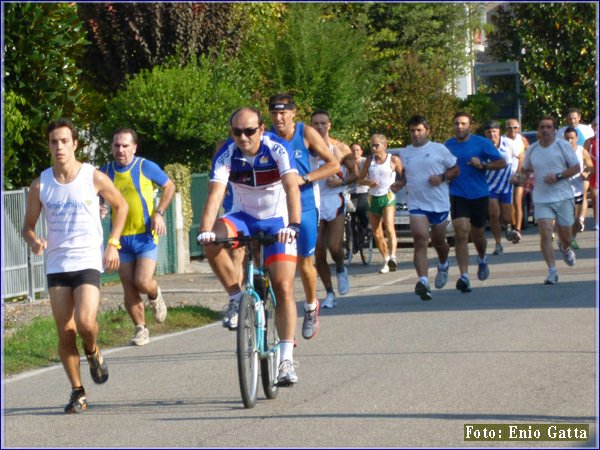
(386, 370)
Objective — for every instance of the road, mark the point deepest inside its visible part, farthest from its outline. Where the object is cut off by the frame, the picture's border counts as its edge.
(386, 369)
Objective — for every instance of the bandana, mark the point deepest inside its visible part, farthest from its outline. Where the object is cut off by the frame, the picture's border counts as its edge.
(282, 106)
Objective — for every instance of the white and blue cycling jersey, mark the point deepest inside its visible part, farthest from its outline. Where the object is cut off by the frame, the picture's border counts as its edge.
(255, 181)
(499, 180)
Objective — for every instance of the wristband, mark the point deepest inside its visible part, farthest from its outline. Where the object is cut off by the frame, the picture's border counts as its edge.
(444, 179)
(294, 226)
(115, 243)
(160, 212)
(559, 176)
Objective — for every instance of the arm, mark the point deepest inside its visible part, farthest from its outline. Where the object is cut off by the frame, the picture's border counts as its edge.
(315, 142)
(362, 177)
(399, 169)
(158, 220)
(32, 214)
(111, 194)
(588, 164)
(348, 160)
(447, 176)
(292, 192)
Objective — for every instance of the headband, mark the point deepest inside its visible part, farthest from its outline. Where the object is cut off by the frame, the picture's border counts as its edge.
(281, 106)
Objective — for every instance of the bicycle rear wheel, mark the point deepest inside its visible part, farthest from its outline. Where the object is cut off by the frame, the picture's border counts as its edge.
(366, 251)
(348, 241)
(247, 356)
(269, 365)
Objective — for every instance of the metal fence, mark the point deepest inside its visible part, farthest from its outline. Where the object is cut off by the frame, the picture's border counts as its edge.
(23, 273)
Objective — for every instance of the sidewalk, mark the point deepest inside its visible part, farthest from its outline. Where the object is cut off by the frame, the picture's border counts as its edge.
(198, 287)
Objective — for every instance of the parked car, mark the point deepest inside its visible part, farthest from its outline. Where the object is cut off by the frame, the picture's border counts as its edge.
(402, 220)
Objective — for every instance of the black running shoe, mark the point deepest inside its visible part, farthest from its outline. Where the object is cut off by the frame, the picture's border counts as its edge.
(98, 368)
(77, 402)
(463, 285)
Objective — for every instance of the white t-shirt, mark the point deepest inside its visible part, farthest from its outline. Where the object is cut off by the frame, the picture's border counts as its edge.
(419, 164)
(555, 158)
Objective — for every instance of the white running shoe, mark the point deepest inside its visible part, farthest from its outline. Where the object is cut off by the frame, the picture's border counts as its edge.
(385, 268)
(231, 315)
(329, 301)
(392, 264)
(141, 336)
(343, 282)
(159, 309)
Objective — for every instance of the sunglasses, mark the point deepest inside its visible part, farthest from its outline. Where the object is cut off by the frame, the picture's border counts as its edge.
(237, 132)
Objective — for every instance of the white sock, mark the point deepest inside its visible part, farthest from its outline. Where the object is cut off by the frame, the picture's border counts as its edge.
(286, 350)
(424, 280)
(310, 306)
(235, 297)
(443, 266)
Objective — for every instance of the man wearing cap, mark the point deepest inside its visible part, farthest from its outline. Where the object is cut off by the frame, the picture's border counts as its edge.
(469, 195)
(307, 147)
(501, 189)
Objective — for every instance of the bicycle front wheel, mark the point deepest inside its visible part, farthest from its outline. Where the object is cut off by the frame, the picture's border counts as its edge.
(247, 356)
(269, 365)
(366, 251)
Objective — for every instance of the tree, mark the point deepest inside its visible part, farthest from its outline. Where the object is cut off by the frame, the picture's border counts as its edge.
(321, 60)
(555, 45)
(179, 113)
(129, 37)
(42, 42)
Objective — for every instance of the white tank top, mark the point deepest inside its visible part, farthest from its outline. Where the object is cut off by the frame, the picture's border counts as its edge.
(324, 189)
(72, 214)
(383, 174)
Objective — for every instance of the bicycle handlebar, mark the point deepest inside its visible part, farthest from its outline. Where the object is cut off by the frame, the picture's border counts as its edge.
(260, 237)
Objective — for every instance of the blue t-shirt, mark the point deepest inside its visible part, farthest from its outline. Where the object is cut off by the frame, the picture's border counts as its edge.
(471, 183)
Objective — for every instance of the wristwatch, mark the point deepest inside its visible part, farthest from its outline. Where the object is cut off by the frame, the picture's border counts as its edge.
(306, 178)
(160, 211)
(558, 176)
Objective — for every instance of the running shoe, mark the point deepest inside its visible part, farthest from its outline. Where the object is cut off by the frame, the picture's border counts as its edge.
(516, 236)
(483, 271)
(463, 285)
(392, 264)
(77, 402)
(498, 250)
(231, 315)
(423, 290)
(509, 233)
(141, 336)
(568, 255)
(159, 309)
(287, 373)
(98, 368)
(580, 224)
(343, 282)
(385, 268)
(329, 301)
(310, 324)
(442, 277)
(552, 278)
(574, 244)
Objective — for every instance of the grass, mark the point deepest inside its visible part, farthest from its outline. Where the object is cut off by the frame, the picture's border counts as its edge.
(34, 345)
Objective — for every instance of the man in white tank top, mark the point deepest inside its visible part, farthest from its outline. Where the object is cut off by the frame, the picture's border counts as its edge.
(521, 143)
(67, 193)
(332, 211)
(379, 174)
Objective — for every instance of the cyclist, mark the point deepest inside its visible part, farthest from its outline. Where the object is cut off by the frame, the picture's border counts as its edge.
(266, 197)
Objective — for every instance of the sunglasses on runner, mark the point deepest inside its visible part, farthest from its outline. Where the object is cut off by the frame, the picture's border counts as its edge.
(237, 132)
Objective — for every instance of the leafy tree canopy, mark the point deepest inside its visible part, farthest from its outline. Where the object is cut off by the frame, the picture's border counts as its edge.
(555, 44)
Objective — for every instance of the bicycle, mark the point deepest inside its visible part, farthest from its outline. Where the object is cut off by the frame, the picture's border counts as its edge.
(356, 239)
(257, 338)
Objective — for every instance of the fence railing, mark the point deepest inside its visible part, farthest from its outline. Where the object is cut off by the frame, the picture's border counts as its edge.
(23, 273)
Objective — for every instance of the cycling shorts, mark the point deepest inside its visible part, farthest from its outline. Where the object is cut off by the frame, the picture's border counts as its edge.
(240, 222)
(74, 279)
